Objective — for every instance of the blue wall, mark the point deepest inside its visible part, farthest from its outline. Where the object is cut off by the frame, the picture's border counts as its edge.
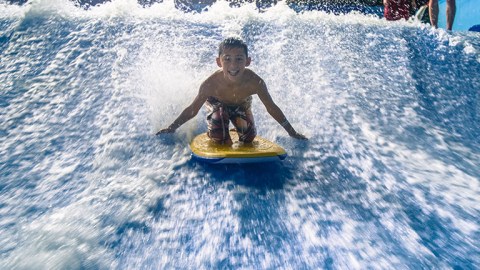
(467, 15)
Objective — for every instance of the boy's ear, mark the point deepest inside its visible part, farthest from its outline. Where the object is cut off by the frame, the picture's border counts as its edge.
(219, 63)
(249, 60)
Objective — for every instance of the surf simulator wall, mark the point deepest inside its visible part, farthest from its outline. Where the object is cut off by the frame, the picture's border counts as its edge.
(389, 178)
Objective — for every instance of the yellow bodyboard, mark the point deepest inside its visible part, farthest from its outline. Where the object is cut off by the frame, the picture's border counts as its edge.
(260, 150)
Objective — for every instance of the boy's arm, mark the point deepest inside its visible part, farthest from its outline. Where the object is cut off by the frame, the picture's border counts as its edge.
(187, 114)
(276, 112)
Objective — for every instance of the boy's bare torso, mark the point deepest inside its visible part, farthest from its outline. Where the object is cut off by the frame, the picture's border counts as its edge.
(231, 93)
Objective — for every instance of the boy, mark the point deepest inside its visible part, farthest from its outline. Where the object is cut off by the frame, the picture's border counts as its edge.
(227, 94)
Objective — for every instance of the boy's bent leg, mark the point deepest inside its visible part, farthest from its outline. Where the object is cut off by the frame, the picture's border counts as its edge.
(218, 122)
(245, 127)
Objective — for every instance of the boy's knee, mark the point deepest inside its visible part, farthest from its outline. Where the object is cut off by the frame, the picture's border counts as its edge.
(219, 117)
(219, 136)
(249, 136)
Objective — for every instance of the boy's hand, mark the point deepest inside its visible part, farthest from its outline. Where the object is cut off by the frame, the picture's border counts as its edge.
(165, 130)
(298, 136)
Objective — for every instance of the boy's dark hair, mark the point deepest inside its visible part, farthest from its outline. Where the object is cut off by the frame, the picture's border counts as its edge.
(232, 42)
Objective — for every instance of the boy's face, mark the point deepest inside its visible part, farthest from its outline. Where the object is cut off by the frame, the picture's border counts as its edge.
(233, 62)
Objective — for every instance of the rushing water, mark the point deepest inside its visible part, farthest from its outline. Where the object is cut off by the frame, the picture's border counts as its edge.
(388, 180)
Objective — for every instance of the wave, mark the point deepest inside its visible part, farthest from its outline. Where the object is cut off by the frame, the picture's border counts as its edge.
(388, 179)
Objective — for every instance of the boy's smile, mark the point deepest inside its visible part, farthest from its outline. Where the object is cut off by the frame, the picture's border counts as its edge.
(233, 62)
(233, 73)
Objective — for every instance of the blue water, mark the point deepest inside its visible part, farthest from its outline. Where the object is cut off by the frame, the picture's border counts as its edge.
(389, 179)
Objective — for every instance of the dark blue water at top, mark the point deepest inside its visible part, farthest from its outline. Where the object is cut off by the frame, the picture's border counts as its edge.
(389, 178)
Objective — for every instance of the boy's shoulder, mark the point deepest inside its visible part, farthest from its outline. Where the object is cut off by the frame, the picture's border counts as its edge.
(251, 77)
(213, 79)
(215, 76)
(250, 72)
